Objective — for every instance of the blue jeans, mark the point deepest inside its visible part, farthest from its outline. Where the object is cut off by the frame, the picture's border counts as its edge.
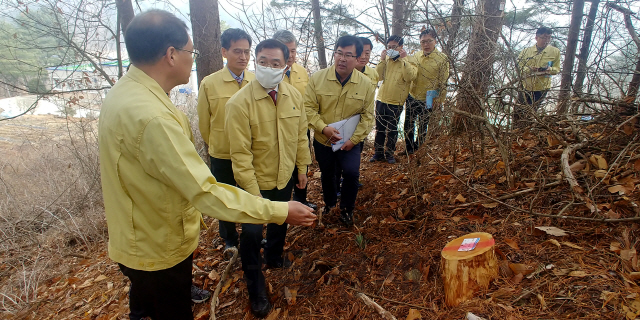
(349, 162)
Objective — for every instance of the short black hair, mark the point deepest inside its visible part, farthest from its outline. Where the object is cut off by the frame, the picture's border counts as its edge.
(544, 30)
(397, 39)
(346, 41)
(273, 44)
(365, 41)
(233, 35)
(151, 33)
(428, 32)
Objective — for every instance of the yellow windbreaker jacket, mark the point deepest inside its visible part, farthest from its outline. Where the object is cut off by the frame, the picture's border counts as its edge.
(372, 75)
(298, 78)
(154, 182)
(433, 73)
(530, 58)
(215, 91)
(396, 76)
(267, 141)
(327, 101)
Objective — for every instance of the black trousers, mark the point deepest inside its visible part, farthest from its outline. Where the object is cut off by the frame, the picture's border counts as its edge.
(161, 295)
(387, 116)
(250, 242)
(223, 172)
(329, 162)
(300, 195)
(418, 115)
(527, 99)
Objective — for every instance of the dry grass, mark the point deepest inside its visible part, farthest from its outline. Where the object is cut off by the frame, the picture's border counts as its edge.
(50, 201)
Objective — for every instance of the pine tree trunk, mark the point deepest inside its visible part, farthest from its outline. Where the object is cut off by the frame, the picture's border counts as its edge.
(205, 22)
(477, 71)
(456, 15)
(569, 57)
(466, 272)
(397, 19)
(317, 24)
(583, 57)
(125, 13)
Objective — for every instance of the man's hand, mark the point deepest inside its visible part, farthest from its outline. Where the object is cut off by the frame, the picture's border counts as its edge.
(302, 180)
(300, 215)
(403, 53)
(332, 134)
(347, 145)
(383, 54)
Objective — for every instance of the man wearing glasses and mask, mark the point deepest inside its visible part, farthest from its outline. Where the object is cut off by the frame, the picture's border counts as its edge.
(396, 71)
(334, 94)
(267, 130)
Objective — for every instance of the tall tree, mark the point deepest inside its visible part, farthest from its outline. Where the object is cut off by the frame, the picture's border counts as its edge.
(397, 18)
(456, 15)
(585, 47)
(569, 57)
(205, 22)
(125, 13)
(317, 25)
(478, 67)
(632, 91)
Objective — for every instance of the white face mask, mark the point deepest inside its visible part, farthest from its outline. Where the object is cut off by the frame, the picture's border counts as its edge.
(392, 53)
(269, 77)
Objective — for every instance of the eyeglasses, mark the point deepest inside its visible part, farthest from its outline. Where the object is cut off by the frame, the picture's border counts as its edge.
(341, 55)
(194, 53)
(430, 41)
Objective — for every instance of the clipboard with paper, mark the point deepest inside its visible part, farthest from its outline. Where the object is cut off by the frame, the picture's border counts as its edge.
(346, 128)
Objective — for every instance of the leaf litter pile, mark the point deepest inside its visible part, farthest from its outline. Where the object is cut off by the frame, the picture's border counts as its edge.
(566, 249)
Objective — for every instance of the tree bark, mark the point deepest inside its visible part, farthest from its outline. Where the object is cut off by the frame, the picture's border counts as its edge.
(397, 18)
(632, 91)
(125, 13)
(317, 24)
(476, 77)
(205, 22)
(584, 49)
(569, 57)
(456, 15)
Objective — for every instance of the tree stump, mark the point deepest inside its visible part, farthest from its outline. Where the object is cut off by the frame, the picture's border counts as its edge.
(466, 272)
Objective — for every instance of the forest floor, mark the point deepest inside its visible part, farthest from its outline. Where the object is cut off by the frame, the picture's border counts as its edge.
(406, 213)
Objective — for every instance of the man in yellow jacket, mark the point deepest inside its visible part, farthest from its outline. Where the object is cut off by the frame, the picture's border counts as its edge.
(334, 94)
(396, 71)
(433, 73)
(363, 62)
(537, 64)
(154, 183)
(296, 75)
(215, 91)
(267, 127)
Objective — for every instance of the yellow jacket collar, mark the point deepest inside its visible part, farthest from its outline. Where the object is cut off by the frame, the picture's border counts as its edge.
(142, 78)
(260, 92)
(331, 75)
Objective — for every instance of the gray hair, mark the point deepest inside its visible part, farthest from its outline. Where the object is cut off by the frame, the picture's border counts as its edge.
(285, 36)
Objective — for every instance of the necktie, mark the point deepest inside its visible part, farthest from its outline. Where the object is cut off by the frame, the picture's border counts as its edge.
(288, 73)
(272, 93)
(239, 80)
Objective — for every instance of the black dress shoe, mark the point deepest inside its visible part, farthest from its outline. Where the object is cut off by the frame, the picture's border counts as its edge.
(346, 217)
(260, 305)
(311, 205)
(280, 263)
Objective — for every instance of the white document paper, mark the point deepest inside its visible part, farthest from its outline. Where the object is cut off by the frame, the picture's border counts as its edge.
(346, 128)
